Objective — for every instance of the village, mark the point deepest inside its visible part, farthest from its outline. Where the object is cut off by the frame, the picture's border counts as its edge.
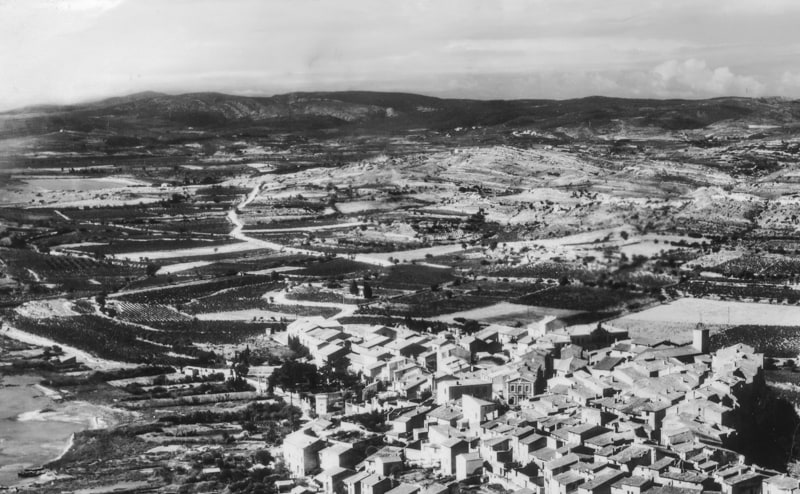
(543, 409)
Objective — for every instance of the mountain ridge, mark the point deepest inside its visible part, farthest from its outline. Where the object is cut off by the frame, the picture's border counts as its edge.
(389, 111)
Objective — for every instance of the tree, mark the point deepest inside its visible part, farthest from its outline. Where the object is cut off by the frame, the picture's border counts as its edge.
(367, 290)
(241, 364)
(152, 269)
(471, 326)
(263, 456)
(298, 348)
(294, 375)
(354, 288)
(336, 373)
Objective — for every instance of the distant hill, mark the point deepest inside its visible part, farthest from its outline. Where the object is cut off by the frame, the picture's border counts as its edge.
(387, 112)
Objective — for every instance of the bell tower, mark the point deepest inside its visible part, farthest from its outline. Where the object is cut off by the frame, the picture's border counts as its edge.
(700, 338)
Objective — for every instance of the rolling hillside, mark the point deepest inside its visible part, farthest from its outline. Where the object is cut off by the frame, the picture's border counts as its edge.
(388, 112)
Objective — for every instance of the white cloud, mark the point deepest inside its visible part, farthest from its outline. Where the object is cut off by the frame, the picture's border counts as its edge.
(791, 80)
(694, 77)
(84, 5)
(68, 50)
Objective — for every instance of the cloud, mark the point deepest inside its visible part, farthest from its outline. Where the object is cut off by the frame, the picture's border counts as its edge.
(792, 78)
(694, 77)
(84, 5)
(71, 50)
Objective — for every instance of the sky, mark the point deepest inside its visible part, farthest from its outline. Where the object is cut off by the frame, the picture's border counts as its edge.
(68, 51)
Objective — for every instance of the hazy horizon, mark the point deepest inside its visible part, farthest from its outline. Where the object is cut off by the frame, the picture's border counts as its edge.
(74, 51)
(89, 101)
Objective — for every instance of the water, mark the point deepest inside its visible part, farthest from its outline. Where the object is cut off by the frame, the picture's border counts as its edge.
(32, 442)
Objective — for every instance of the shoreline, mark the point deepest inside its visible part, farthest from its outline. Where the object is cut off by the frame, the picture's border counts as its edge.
(70, 443)
(84, 414)
(72, 413)
(42, 409)
(50, 393)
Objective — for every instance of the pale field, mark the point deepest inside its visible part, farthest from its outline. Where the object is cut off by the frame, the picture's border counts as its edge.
(354, 207)
(714, 259)
(505, 311)
(281, 269)
(80, 184)
(335, 226)
(78, 191)
(244, 315)
(182, 266)
(273, 193)
(676, 320)
(79, 244)
(192, 252)
(694, 310)
(676, 332)
(596, 243)
(108, 202)
(408, 255)
(44, 309)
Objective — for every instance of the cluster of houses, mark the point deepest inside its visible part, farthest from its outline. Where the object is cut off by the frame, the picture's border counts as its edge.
(543, 409)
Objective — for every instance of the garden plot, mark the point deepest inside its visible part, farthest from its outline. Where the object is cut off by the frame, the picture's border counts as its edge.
(147, 313)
